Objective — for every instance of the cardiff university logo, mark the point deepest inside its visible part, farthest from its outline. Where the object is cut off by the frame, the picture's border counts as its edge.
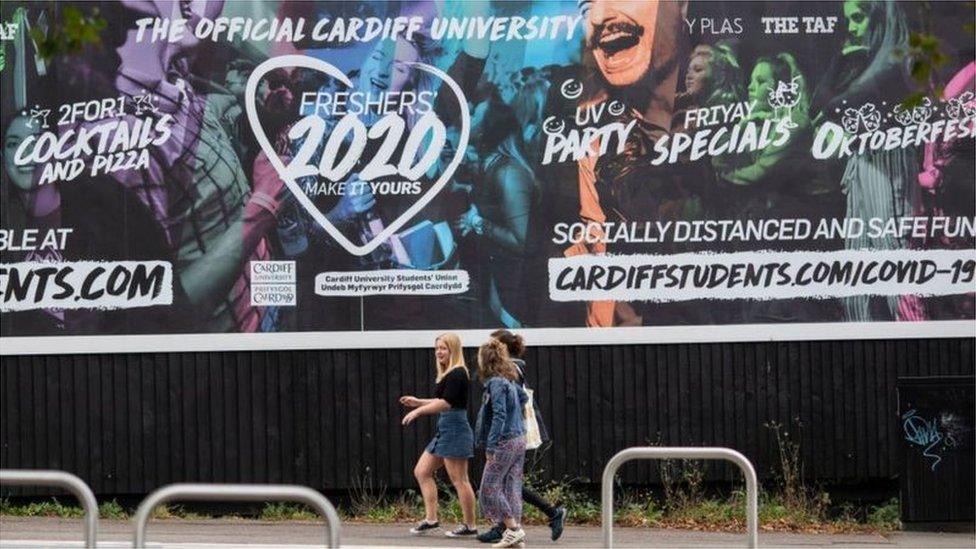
(8, 31)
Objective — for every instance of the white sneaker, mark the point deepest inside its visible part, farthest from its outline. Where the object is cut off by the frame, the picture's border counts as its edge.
(511, 538)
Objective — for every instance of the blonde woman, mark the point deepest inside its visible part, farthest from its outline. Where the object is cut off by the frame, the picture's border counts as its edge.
(453, 443)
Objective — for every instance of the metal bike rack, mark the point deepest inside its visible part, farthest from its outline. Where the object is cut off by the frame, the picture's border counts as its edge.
(65, 481)
(656, 452)
(237, 492)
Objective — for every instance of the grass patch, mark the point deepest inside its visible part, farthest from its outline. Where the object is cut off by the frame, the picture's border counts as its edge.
(287, 511)
(407, 506)
(112, 510)
(634, 508)
(682, 501)
(171, 512)
(53, 507)
(45, 508)
(886, 516)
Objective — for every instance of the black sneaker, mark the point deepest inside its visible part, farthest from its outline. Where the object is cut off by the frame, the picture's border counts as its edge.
(493, 535)
(462, 531)
(557, 522)
(424, 527)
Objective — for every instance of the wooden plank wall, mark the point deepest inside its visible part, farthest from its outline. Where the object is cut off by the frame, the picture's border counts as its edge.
(129, 423)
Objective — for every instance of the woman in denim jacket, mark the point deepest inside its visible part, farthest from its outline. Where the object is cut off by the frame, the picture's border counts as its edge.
(501, 433)
(556, 514)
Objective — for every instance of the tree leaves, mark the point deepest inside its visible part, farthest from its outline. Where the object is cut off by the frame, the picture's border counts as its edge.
(75, 31)
(926, 55)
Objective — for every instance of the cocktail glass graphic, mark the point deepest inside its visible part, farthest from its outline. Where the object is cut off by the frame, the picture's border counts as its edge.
(785, 96)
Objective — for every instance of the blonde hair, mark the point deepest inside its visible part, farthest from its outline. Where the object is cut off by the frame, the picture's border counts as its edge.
(493, 360)
(456, 358)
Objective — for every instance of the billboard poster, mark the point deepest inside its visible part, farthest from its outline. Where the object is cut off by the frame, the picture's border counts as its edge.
(286, 174)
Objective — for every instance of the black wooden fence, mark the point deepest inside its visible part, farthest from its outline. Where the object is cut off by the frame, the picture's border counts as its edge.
(129, 423)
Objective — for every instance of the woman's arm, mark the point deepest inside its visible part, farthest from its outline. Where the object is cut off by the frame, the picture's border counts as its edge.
(209, 277)
(414, 402)
(772, 157)
(498, 415)
(467, 67)
(890, 76)
(757, 171)
(598, 313)
(510, 231)
(433, 406)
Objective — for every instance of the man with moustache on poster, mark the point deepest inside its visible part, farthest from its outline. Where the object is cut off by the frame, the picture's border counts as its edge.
(635, 47)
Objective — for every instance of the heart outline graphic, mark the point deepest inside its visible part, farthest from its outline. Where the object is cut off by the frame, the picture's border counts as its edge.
(308, 62)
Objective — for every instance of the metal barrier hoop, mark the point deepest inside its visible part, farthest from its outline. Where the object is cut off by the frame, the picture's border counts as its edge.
(655, 452)
(66, 481)
(237, 492)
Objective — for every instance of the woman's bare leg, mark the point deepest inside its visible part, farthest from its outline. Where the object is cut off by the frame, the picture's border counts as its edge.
(427, 465)
(457, 469)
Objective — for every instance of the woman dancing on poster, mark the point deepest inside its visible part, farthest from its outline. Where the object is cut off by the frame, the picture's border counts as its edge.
(505, 198)
(453, 443)
(878, 184)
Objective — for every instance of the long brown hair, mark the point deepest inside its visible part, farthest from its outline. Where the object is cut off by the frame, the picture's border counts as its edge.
(513, 342)
(493, 360)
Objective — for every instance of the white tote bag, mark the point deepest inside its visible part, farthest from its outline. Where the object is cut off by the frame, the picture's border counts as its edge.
(533, 438)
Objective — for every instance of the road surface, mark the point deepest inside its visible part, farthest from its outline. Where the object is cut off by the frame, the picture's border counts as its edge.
(222, 533)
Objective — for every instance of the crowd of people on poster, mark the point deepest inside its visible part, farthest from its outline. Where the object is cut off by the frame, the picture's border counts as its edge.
(284, 166)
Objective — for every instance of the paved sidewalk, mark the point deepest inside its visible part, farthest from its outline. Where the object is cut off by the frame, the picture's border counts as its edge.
(216, 533)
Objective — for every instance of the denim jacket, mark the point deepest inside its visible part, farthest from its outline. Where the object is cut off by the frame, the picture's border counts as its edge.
(500, 416)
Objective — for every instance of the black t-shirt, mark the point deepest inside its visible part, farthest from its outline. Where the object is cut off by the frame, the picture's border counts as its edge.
(454, 389)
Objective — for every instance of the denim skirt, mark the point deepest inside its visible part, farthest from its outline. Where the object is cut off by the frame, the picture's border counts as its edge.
(454, 437)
